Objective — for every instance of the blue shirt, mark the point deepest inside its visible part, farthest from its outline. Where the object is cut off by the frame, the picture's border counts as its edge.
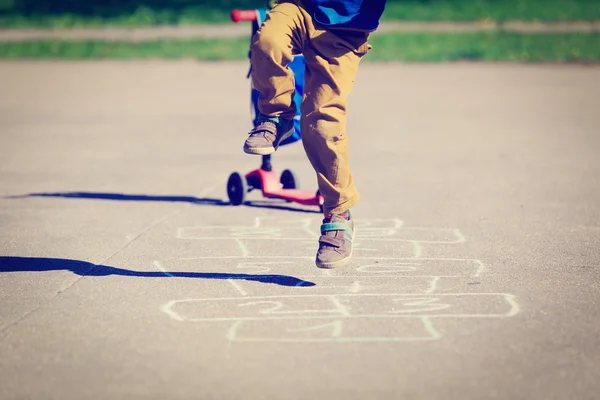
(361, 15)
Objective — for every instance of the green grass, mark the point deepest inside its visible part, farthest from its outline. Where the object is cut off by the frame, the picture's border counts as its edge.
(418, 47)
(142, 16)
(201, 49)
(487, 46)
(496, 10)
(190, 12)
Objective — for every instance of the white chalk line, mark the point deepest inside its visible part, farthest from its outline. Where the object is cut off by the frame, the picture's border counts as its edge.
(370, 227)
(284, 257)
(265, 237)
(279, 305)
(290, 296)
(172, 314)
(370, 233)
(433, 285)
(366, 223)
(342, 309)
(514, 310)
(350, 317)
(308, 222)
(417, 248)
(336, 325)
(356, 287)
(430, 328)
(243, 248)
(480, 268)
(333, 340)
(231, 332)
(159, 266)
(238, 287)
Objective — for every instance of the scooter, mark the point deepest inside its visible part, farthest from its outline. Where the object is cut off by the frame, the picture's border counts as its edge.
(265, 179)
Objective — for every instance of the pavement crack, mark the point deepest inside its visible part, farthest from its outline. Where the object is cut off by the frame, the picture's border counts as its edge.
(22, 317)
(104, 261)
(142, 233)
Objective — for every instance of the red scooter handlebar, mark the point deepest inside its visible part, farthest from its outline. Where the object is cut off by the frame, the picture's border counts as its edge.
(243, 15)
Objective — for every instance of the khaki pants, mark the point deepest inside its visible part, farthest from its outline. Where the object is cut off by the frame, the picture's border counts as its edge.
(332, 60)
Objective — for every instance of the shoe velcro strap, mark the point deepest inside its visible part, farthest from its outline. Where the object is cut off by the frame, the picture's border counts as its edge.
(332, 241)
(333, 226)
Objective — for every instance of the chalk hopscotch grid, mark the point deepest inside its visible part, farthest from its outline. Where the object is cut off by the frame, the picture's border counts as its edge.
(373, 231)
(415, 300)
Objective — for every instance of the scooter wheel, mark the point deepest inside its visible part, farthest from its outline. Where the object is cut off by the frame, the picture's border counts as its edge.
(236, 188)
(288, 180)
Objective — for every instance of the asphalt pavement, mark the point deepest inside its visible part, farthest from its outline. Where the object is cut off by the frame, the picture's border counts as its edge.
(125, 273)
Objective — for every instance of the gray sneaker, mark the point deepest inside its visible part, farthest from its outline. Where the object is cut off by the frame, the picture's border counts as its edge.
(266, 137)
(335, 243)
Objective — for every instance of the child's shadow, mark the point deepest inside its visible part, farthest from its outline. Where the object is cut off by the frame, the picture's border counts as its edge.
(158, 198)
(82, 268)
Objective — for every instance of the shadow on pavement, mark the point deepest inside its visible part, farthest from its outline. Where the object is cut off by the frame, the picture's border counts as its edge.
(271, 204)
(128, 197)
(82, 268)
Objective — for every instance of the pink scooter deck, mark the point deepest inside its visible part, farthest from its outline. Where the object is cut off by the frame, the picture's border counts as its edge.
(273, 188)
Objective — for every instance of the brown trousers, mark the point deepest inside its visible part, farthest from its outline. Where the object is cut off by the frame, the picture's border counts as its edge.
(332, 59)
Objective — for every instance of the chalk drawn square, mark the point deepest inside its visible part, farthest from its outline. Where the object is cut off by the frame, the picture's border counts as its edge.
(395, 229)
(332, 330)
(289, 248)
(313, 285)
(367, 248)
(434, 305)
(421, 267)
(252, 308)
(357, 284)
(399, 305)
(259, 228)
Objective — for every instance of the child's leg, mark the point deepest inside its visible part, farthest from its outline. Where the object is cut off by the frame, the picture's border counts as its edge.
(332, 64)
(279, 38)
(272, 48)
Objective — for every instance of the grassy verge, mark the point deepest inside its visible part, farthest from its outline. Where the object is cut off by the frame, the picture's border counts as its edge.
(420, 47)
(487, 46)
(190, 12)
(496, 10)
(200, 49)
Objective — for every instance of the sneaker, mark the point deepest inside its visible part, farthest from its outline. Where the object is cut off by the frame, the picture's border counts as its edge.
(335, 243)
(265, 138)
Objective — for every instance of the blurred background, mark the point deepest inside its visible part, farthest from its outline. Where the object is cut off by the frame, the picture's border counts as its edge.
(141, 12)
(411, 30)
